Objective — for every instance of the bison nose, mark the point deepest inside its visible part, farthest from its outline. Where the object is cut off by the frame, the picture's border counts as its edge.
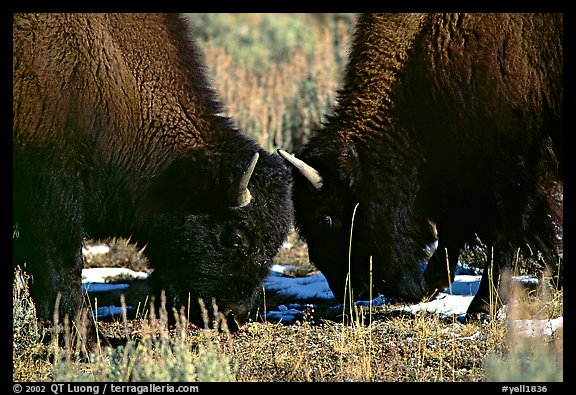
(236, 317)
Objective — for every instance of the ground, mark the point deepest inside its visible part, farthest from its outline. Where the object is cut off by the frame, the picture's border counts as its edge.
(294, 292)
(297, 333)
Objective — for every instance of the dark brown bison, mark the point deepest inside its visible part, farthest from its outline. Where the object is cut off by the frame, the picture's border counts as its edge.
(117, 132)
(448, 127)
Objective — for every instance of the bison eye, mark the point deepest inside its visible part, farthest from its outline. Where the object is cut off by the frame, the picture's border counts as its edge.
(234, 238)
(326, 222)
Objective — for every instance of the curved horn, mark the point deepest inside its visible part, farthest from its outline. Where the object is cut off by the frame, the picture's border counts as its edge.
(242, 197)
(306, 170)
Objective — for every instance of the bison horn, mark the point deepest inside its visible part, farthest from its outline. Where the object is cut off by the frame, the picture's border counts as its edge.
(306, 170)
(242, 197)
(433, 228)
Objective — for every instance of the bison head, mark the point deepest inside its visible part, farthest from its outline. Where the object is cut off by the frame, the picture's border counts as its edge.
(213, 223)
(360, 222)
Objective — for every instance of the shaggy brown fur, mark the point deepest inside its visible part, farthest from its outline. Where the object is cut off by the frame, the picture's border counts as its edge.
(453, 120)
(117, 132)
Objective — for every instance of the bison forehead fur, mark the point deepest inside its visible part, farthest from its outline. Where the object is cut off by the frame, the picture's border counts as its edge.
(447, 127)
(117, 132)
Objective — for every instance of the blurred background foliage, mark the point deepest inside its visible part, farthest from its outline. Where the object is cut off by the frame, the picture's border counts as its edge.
(278, 73)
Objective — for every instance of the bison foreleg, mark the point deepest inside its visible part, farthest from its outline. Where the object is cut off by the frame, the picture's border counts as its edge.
(495, 284)
(48, 247)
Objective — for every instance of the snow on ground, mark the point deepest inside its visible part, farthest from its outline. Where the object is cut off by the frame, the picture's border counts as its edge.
(314, 287)
(308, 290)
(453, 300)
(532, 328)
(301, 288)
(94, 280)
(102, 274)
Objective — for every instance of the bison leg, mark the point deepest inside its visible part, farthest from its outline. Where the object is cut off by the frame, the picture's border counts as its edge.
(55, 268)
(495, 283)
(48, 247)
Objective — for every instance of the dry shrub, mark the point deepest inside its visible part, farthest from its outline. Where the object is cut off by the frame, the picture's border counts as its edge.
(280, 102)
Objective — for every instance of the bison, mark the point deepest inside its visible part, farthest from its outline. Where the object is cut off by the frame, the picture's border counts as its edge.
(448, 128)
(118, 132)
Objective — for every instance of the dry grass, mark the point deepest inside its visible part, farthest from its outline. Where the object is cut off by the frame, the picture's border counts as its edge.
(382, 344)
(280, 105)
(281, 100)
(391, 349)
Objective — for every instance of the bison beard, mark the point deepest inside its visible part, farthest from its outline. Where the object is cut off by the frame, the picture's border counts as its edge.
(448, 127)
(116, 133)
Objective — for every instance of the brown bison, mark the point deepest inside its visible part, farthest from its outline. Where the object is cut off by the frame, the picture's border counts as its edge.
(117, 132)
(448, 127)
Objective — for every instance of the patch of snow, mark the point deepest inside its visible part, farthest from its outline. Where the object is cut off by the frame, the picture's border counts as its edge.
(464, 285)
(278, 270)
(99, 288)
(300, 288)
(464, 268)
(108, 311)
(377, 301)
(100, 274)
(286, 314)
(94, 281)
(533, 328)
(444, 305)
